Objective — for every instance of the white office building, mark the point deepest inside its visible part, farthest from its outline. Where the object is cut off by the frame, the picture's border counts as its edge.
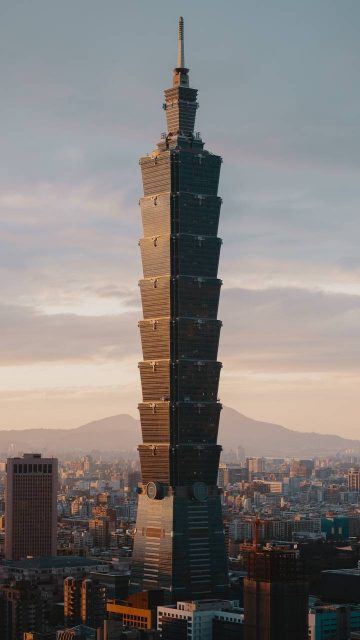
(197, 616)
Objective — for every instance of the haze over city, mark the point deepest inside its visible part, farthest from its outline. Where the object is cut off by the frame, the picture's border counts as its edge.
(279, 98)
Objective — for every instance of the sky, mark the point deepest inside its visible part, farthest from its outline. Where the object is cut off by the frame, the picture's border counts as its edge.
(279, 93)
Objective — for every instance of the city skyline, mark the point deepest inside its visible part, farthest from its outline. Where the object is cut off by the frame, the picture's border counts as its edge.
(73, 126)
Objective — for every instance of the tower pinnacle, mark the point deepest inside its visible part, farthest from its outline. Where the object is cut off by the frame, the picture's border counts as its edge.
(180, 53)
(180, 74)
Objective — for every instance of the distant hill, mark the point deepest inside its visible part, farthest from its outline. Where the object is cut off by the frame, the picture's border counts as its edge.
(116, 433)
(121, 433)
(267, 439)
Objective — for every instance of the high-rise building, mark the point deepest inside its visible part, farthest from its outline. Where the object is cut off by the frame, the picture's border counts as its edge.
(72, 600)
(93, 603)
(230, 473)
(334, 621)
(354, 480)
(84, 601)
(301, 468)
(179, 542)
(255, 465)
(30, 506)
(275, 595)
(87, 464)
(22, 608)
(340, 585)
(100, 532)
(133, 479)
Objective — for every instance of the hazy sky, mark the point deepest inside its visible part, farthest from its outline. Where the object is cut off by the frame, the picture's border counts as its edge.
(81, 96)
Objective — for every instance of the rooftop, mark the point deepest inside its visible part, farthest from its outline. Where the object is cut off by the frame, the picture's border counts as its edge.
(52, 562)
(349, 572)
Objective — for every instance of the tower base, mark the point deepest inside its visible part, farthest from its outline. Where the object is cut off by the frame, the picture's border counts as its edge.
(179, 546)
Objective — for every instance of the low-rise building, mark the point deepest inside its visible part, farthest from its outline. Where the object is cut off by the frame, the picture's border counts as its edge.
(333, 622)
(194, 620)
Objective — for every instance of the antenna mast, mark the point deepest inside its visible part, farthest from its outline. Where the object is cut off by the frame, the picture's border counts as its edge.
(180, 53)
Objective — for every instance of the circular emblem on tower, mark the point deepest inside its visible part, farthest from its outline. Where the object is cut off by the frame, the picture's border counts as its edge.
(154, 490)
(200, 491)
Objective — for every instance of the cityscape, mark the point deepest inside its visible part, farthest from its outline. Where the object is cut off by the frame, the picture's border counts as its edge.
(195, 522)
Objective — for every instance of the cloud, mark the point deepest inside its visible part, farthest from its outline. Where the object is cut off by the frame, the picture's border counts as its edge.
(247, 272)
(30, 337)
(56, 204)
(62, 246)
(70, 406)
(75, 120)
(272, 330)
(290, 330)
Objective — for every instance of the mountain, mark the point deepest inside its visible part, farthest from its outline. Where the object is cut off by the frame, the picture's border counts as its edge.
(267, 439)
(121, 433)
(116, 433)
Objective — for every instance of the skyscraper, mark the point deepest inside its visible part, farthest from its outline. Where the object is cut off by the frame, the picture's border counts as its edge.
(354, 480)
(72, 600)
(179, 542)
(93, 603)
(22, 608)
(30, 506)
(84, 601)
(275, 594)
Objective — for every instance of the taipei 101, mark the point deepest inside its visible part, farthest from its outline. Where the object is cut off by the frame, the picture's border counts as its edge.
(179, 315)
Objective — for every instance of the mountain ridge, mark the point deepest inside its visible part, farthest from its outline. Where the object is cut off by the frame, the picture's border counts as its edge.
(121, 433)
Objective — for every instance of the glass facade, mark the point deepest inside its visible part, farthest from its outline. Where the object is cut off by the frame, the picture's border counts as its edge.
(179, 541)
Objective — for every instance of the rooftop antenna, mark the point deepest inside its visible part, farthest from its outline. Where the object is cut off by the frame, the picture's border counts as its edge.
(180, 73)
(180, 53)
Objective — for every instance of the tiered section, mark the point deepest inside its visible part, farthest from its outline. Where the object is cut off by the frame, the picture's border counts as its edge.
(180, 331)
(180, 105)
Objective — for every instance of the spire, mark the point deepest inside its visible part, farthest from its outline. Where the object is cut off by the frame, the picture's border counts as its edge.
(180, 100)
(180, 64)
(180, 74)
